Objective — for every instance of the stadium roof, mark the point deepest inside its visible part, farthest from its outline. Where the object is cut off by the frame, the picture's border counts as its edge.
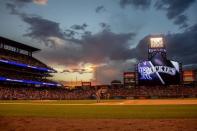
(18, 45)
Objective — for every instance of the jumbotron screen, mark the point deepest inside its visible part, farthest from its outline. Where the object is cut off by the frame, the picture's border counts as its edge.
(156, 72)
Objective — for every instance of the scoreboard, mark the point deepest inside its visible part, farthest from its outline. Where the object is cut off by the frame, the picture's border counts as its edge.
(129, 79)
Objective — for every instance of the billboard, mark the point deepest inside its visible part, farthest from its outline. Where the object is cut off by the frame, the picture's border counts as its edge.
(188, 76)
(158, 72)
(87, 84)
(129, 74)
(129, 79)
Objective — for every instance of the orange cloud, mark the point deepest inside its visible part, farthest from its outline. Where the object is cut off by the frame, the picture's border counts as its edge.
(40, 2)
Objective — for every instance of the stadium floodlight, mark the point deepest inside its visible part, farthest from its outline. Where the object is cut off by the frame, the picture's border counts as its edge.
(156, 42)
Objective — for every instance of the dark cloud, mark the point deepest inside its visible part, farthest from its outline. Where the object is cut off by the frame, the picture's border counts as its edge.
(42, 29)
(182, 46)
(181, 20)
(93, 48)
(76, 30)
(70, 33)
(100, 9)
(106, 45)
(76, 70)
(175, 10)
(20, 3)
(105, 26)
(13, 8)
(139, 4)
(141, 50)
(173, 7)
(79, 27)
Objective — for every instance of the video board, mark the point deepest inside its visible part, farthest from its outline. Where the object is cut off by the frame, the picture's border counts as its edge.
(156, 72)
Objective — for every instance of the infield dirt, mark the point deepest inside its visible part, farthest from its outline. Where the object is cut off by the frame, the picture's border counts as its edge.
(153, 102)
(61, 124)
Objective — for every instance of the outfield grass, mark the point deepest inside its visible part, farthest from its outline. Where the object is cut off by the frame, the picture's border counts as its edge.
(37, 109)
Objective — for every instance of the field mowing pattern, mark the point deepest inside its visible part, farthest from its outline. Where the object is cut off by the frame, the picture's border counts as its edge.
(96, 111)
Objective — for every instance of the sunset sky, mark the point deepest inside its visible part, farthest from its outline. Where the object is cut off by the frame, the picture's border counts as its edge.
(100, 39)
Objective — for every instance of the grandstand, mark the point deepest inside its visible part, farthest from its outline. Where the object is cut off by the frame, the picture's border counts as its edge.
(19, 67)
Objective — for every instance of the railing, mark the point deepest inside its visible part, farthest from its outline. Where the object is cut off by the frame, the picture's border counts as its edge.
(29, 82)
(26, 66)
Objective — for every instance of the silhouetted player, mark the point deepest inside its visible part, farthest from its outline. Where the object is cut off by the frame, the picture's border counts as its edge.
(102, 92)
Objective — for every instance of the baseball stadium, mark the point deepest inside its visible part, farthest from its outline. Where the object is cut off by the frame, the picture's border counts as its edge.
(98, 65)
(158, 95)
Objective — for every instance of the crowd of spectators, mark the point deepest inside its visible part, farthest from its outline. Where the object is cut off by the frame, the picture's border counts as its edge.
(21, 73)
(13, 73)
(38, 93)
(155, 91)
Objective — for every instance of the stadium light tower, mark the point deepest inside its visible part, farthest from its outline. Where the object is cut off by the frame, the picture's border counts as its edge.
(156, 45)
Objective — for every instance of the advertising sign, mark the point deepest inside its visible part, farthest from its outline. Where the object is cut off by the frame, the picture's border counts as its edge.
(129, 74)
(188, 76)
(86, 83)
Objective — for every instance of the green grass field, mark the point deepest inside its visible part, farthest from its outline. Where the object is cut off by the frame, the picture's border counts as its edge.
(85, 109)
